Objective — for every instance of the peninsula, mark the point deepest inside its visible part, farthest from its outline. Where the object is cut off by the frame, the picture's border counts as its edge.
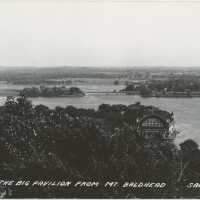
(170, 88)
(43, 91)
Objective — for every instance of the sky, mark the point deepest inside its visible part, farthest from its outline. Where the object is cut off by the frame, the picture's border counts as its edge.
(99, 33)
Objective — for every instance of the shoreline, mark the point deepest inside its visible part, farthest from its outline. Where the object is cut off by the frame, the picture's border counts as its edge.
(10, 92)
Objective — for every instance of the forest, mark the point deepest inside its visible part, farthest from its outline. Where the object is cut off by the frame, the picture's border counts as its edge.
(61, 144)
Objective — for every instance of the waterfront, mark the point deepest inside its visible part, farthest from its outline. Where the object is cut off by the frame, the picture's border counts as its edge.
(186, 110)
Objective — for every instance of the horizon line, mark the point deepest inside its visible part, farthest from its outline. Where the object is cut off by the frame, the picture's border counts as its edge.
(97, 66)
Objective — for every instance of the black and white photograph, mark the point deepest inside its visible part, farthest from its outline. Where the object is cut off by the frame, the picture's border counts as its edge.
(99, 99)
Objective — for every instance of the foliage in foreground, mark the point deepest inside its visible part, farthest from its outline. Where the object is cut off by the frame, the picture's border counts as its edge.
(38, 143)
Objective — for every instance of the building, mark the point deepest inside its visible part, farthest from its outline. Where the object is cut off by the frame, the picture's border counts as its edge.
(156, 126)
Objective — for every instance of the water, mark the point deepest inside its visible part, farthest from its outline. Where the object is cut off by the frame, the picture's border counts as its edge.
(186, 110)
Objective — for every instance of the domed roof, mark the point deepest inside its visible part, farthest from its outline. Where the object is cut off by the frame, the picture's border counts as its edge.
(153, 116)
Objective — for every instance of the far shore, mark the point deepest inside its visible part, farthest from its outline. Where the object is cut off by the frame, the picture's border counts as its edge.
(14, 92)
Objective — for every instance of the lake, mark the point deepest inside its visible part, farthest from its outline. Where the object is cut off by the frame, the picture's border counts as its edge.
(186, 110)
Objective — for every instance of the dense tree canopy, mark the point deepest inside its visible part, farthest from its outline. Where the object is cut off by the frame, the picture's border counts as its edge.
(38, 143)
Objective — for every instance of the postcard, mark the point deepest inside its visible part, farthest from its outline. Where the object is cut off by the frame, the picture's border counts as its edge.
(99, 99)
